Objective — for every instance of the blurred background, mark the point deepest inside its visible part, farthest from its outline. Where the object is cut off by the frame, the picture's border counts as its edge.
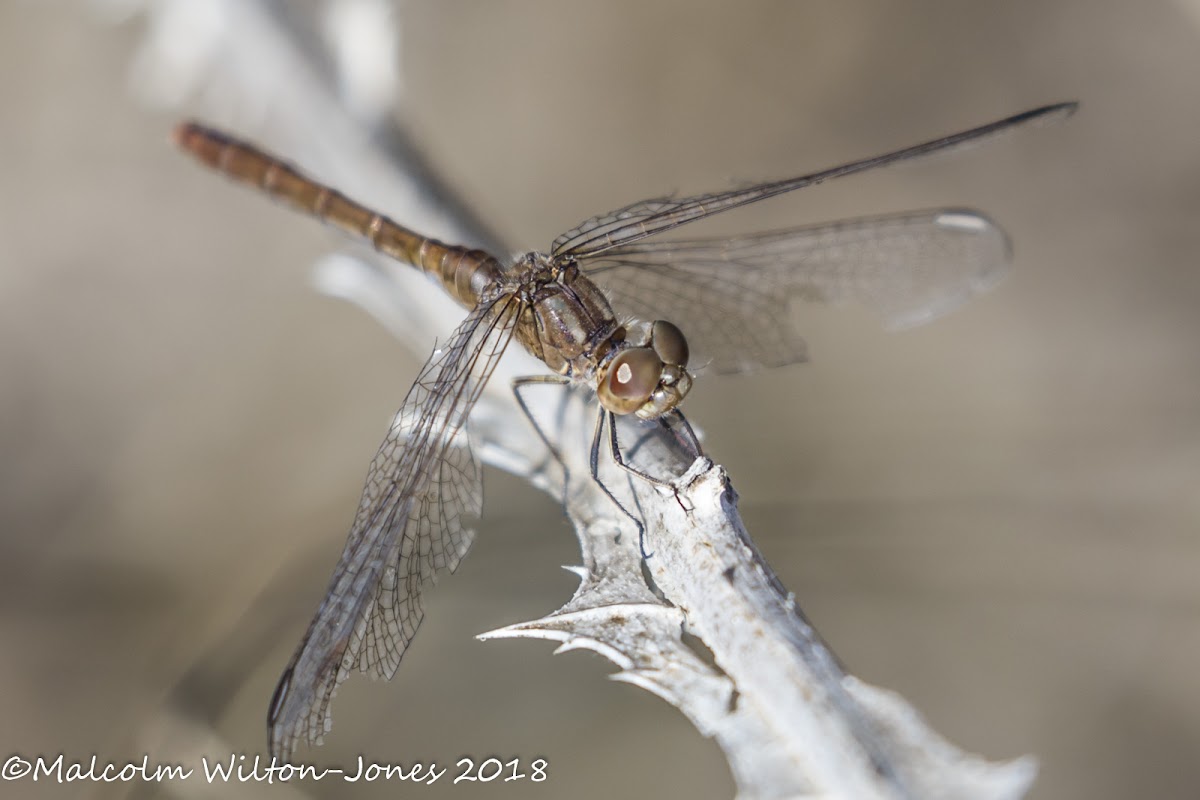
(996, 515)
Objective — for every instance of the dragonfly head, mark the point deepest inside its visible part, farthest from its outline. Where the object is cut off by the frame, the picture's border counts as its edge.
(648, 376)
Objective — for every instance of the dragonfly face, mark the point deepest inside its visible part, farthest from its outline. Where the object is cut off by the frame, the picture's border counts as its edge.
(648, 377)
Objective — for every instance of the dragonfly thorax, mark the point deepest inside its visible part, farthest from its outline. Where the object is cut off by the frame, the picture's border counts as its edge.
(534, 268)
(647, 375)
(567, 322)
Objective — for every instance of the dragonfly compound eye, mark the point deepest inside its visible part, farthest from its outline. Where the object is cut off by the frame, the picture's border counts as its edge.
(669, 342)
(631, 378)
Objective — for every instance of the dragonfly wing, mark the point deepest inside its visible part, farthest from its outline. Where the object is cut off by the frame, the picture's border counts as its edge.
(734, 298)
(421, 488)
(650, 217)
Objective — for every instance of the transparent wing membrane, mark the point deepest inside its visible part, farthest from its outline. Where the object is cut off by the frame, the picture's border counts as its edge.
(733, 298)
(649, 217)
(422, 488)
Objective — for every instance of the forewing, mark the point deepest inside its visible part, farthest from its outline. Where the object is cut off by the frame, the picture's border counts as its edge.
(649, 217)
(734, 298)
(422, 486)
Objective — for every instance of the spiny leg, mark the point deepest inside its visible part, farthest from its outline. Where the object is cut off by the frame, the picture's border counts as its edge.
(680, 431)
(544, 380)
(620, 461)
(601, 415)
(691, 442)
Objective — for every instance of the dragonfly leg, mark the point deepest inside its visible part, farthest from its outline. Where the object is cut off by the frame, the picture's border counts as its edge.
(601, 416)
(692, 444)
(544, 380)
(691, 441)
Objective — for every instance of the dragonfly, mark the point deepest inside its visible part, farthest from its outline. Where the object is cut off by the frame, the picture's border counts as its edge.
(611, 307)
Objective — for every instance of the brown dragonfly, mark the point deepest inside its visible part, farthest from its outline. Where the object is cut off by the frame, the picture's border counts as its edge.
(730, 296)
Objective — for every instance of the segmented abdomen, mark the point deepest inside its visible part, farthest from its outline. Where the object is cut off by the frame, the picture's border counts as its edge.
(462, 271)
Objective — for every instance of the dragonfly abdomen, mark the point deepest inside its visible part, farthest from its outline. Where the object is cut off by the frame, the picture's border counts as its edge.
(462, 271)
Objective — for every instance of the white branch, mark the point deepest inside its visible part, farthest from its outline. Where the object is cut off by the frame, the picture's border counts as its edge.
(715, 634)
